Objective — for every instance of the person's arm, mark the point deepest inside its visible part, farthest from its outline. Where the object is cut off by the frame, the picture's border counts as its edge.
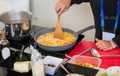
(63, 5)
(105, 45)
(78, 1)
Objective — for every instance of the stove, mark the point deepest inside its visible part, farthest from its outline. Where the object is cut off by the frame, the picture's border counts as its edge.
(21, 45)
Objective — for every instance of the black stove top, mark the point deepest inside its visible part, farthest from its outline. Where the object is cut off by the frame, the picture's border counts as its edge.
(26, 42)
(18, 44)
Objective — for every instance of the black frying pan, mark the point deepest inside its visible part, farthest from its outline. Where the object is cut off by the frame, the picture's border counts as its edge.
(60, 48)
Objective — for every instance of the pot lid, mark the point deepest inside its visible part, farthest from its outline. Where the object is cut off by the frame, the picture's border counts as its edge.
(15, 16)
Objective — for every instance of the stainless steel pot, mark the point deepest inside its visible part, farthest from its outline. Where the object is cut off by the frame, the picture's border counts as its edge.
(17, 23)
(64, 47)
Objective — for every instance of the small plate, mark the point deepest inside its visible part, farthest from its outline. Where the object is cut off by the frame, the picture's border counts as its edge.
(5, 53)
(113, 71)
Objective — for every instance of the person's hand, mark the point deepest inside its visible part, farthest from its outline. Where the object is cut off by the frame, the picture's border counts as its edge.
(61, 6)
(105, 45)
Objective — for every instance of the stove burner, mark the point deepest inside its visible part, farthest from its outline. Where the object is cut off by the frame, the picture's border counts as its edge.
(18, 45)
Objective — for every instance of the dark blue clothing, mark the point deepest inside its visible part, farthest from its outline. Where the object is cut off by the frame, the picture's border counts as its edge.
(110, 9)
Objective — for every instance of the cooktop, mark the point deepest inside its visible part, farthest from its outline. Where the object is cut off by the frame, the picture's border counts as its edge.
(30, 41)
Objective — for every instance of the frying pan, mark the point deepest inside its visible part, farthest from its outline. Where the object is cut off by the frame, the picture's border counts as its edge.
(64, 47)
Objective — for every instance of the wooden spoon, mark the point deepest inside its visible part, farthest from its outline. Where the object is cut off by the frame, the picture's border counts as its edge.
(58, 30)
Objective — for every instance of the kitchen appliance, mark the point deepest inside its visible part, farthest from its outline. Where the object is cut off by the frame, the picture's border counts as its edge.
(17, 24)
(18, 45)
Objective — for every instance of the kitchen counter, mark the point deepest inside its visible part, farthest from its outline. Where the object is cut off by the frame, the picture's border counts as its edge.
(106, 61)
(3, 72)
(101, 70)
(80, 47)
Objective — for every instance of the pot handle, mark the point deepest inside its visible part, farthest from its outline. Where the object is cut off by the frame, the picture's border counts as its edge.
(86, 29)
(12, 30)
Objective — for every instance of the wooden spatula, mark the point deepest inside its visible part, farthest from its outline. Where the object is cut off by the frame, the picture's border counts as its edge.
(58, 30)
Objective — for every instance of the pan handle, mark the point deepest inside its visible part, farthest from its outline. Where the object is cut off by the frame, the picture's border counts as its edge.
(86, 29)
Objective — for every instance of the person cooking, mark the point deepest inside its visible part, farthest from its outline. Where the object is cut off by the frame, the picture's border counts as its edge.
(106, 17)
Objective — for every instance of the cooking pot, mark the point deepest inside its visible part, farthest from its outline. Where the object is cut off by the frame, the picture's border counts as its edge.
(17, 23)
(64, 47)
